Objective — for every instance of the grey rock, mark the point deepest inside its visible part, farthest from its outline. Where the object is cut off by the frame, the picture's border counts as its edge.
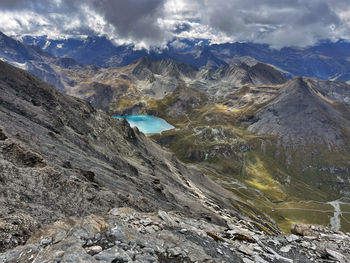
(292, 238)
(337, 256)
(286, 248)
(247, 260)
(246, 250)
(46, 241)
(175, 251)
(93, 250)
(115, 253)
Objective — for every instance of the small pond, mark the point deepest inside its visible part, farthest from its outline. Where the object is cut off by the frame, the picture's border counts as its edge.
(147, 123)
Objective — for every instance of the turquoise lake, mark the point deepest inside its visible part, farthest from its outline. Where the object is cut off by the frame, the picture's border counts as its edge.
(147, 123)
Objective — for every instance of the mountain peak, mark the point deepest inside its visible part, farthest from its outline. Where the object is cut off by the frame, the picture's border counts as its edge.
(299, 113)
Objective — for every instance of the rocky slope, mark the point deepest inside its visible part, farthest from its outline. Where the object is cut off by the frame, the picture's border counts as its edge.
(307, 111)
(124, 235)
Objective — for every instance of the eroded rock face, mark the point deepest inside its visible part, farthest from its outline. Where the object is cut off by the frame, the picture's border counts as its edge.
(15, 229)
(2, 135)
(125, 235)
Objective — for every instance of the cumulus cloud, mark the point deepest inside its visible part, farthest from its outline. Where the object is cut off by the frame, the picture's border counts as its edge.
(177, 44)
(155, 22)
(276, 22)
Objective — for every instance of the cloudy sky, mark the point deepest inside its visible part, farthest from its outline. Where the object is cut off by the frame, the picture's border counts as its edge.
(154, 22)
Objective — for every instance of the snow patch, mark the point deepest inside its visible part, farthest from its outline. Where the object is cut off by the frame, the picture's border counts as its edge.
(335, 220)
(20, 65)
(47, 44)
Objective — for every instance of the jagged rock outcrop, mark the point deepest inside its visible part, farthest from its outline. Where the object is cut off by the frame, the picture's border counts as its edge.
(226, 79)
(125, 235)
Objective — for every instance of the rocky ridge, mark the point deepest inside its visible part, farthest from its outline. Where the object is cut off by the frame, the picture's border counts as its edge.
(125, 235)
(306, 111)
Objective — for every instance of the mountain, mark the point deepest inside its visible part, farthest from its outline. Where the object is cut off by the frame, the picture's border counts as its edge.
(307, 111)
(106, 87)
(35, 60)
(129, 88)
(284, 147)
(79, 185)
(92, 50)
(326, 60)
(226, 79)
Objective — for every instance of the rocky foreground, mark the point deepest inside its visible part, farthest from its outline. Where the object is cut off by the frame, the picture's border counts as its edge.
(65, 167)
(125, 235)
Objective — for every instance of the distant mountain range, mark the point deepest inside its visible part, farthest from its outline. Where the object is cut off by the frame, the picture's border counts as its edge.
(327, 60)
(104, 87)
(35, 60)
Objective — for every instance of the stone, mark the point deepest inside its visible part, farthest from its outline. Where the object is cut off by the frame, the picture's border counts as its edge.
(59, 254)
(258, 259)
(215, 237)
(164, 216)
(247, 260)
(46, 241)
(292, 238)
(219, 251)
(2, 135)
(336, 255)
(15, 229)
(89, 243)
(93, 250)
(117, 233)
(148, 250)
(302, 230)
(274, 242)
(244, 237)
(246, 250)
(149, 229)
(175, 251)
(146, 221)
(286, 248)
(115, 254)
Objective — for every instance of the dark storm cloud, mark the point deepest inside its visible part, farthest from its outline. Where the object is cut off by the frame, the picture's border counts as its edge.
(132, 19)
(136, 19)
(280, 23)
(178, 28)
(153, 22)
